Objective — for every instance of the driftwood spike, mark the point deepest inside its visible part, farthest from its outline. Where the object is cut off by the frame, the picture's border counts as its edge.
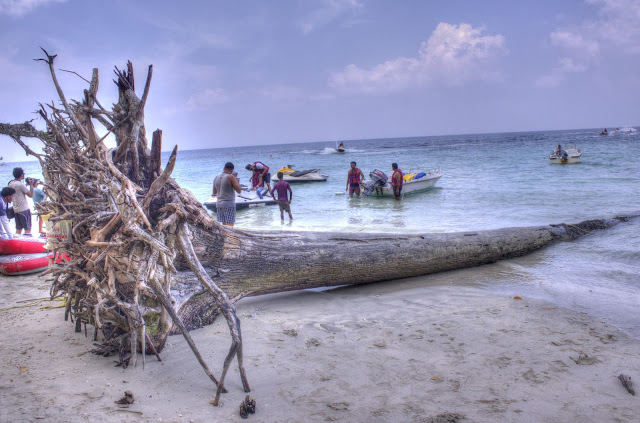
(626, 382)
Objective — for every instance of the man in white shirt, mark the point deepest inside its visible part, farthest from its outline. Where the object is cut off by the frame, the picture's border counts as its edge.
(20, 205)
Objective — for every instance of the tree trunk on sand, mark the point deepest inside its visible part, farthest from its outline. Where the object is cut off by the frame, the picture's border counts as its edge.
(246, 263)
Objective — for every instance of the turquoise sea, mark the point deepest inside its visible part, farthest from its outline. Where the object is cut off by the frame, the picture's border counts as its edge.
(489, 181)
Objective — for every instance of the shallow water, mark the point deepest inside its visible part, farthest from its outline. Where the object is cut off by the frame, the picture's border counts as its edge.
(489, 181)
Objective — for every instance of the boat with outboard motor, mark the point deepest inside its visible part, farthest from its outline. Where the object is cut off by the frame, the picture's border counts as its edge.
(568, 155)
(295, 176)
(378, 184)
(244, 200)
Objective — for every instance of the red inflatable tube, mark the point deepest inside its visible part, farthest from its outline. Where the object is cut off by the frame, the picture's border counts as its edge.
(25, 245)
(23, 264)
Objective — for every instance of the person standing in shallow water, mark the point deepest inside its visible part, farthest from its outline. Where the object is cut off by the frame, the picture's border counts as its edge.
(283, 195)
(224, 186)
(396, 181)
(354, 176)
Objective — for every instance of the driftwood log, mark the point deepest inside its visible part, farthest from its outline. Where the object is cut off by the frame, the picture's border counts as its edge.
(146, 259)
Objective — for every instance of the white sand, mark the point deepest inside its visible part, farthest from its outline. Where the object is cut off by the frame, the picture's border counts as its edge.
(404, 351)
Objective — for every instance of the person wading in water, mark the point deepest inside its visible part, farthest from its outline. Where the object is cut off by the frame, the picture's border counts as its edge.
(354, 176)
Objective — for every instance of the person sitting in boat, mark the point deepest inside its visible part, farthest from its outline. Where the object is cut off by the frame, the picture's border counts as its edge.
(561, 154)
(6, 197)
(396, 181)
(260, 176)
(354, 176)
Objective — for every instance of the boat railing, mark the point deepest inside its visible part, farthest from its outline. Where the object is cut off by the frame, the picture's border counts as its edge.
(432, 171)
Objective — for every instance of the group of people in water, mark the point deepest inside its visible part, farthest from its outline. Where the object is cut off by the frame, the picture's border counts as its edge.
(355, 177)
(14, 205)
(226, 185)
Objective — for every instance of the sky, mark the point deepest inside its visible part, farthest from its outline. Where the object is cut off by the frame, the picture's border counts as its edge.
(254, 72)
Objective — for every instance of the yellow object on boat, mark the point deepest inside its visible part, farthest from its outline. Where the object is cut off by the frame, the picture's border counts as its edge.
(285, 170)
(408, 176)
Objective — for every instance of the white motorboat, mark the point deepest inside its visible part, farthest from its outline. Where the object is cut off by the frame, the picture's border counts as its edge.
(295, 176)
(379, 186)
(244, 200)
(568, 155)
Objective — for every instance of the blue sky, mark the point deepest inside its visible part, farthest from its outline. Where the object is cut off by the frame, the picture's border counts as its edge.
(267, 72)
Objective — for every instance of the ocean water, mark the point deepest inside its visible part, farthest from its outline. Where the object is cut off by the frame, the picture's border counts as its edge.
(489, 181)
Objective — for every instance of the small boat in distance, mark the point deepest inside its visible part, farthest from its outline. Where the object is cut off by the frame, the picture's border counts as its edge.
(244, 200)
(296, 176)
(378, 184)
(604, 132)
(567, 155)
(340, 148)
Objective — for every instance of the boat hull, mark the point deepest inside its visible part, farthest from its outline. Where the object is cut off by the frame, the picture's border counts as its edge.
(408, 187)
(24, 264)
(573, 155)
(569, 160)
(318, 177)
(242, 202)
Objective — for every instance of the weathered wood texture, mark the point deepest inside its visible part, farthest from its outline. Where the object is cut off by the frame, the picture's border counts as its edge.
(248, 263)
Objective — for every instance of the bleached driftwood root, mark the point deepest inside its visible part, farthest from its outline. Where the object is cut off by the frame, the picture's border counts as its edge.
(129, 222)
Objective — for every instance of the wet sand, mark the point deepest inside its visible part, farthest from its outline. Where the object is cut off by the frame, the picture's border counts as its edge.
(411, 350)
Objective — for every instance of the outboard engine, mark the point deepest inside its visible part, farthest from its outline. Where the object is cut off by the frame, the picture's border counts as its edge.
(377, 179)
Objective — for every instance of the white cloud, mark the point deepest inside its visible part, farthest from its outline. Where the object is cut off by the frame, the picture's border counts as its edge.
(568, 65)
(282, 93)
(558, 74)
(615, 30)
(207, 98)
(454, 55)
(327, 13)
(22, 7)
(575, 42)
(619, 23)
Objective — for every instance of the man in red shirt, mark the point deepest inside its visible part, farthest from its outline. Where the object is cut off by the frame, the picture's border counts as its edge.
(354, 176)
(396, 181)
(259, 177)
(283, 195)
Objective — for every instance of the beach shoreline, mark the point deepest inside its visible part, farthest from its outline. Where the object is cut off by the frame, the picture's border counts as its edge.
(405, 350)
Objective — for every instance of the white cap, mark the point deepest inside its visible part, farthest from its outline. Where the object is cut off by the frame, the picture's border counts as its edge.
(259, 166)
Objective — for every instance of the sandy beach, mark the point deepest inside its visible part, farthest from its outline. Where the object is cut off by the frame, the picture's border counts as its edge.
(416, 350)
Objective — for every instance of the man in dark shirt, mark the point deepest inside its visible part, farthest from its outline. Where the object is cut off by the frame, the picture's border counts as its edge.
(283, 195)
